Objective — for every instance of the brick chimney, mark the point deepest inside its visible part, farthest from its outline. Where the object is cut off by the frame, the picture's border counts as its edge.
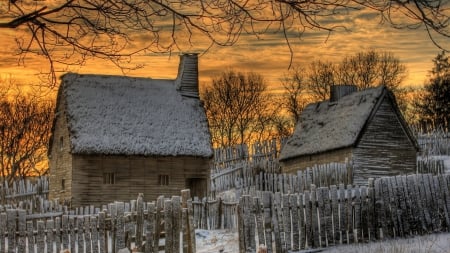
(187, 79)
(339, 91)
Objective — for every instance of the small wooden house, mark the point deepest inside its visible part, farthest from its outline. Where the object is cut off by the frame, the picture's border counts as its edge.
(115, 137)
(363, 127)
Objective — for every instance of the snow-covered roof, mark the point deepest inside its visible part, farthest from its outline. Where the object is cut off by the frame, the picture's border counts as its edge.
(116, 115)
(326, 125)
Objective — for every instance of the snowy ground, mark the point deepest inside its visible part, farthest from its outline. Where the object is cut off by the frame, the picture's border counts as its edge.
(223, 241)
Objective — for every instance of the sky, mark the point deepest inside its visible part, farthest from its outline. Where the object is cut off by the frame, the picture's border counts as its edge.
(268, 56)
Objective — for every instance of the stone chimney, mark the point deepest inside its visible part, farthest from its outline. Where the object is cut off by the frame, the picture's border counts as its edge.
(339, 91)
(187, 79)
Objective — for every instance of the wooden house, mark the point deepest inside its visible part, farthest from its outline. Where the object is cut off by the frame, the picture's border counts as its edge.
(364, 127)
(114, 137)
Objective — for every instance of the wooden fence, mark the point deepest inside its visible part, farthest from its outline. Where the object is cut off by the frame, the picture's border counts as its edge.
(388, 208)
(436, 142)
(246, 178)
(234, 156)
(121, 225)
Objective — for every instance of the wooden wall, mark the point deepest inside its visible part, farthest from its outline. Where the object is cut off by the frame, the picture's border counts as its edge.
(60, 158)
(303, 162)
(134, 175)
(384, 148)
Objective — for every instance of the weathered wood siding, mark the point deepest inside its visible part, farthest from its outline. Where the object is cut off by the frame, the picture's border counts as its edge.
(60, 158)
(384, 148)
(134, 175)
(303, 162)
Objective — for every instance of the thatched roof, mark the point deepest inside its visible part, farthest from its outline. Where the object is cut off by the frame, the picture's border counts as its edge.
(116, 115)
(326, 125)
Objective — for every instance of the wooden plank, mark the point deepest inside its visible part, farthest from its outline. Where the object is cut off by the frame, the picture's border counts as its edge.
(267, 202)
(40, 237)
(94, 233)
(168, 209)
(58, 234)
(328, 216)
(342, 214)
(356, 202)
(158, 221)
(11, 226)
(102, 232)
(308, 221)
(22, 231)
(293, 200)
(49, 236)
(119, 226)
(364, 235)
(350, 222)
(176, 223)
(139, 220)
(334, 238)
(87, 233)
(315, 223)
(30, 237)
(276, 218)
(150, 228)
(286, 211)
(3, 230)
(321, 216)
(80, 232)
(259, 213)
(301, 220)
(72, 233)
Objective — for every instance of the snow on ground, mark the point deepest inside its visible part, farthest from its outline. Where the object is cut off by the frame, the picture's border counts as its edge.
(224, 241)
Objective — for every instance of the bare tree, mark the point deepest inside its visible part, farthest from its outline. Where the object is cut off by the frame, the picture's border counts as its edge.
(371, 68)
(294, 98)
(69, 32)
(25, 125)
(237, 107)
(321, 75)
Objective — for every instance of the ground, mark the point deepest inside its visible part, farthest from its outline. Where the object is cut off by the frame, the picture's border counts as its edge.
(223, 241)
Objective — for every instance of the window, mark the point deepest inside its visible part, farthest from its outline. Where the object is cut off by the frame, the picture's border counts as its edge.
(163, 180)
(63, 184)
(109, 178)
(61, 143)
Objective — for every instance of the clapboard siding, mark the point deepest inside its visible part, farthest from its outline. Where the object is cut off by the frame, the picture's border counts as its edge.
(300, 163)
(384, 148)
(133, 175)
(366, 127)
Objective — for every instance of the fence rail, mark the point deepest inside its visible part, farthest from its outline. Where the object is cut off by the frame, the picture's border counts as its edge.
(388, 208)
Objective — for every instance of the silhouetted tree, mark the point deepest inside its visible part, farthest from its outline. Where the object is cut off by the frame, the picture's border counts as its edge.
(433, 104)
(293, 99)
(237, 107)
(71, 31)
(25, 127)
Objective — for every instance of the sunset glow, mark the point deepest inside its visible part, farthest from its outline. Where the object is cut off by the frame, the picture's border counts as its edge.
(269, 55)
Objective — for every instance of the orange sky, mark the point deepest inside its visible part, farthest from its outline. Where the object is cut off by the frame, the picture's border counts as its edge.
(269, 56)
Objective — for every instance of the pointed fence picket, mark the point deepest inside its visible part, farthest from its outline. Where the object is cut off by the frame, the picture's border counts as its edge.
(166, 224)
(388, 207)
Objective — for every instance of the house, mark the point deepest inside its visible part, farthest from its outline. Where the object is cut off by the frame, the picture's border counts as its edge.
(114, 137)
(363, 127)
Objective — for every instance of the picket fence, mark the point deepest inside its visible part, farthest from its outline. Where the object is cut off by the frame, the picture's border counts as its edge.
(256, 153)
(435, 142)
(136, 225)
(246, 178)
(389, 207)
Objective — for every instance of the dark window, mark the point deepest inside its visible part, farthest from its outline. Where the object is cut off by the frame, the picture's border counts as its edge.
(163, 180)
(109, 178)
(61, 143)
(63, 184)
